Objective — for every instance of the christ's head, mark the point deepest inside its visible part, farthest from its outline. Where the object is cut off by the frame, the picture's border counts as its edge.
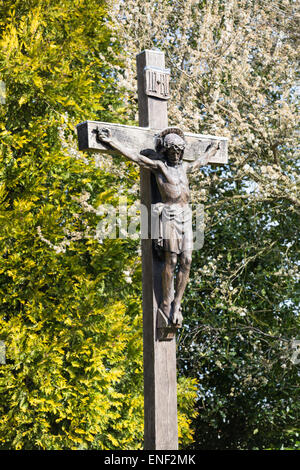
(173, 146)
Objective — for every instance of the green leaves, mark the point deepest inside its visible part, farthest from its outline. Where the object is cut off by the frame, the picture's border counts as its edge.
(71, 326)
(234, 71)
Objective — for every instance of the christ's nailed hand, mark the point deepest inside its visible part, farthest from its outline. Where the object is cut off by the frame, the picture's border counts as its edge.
(103, 135)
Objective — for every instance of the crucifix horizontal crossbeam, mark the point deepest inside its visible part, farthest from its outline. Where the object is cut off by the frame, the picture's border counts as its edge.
(141, 138)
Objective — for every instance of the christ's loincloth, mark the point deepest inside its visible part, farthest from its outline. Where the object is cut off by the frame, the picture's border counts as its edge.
(172, 227)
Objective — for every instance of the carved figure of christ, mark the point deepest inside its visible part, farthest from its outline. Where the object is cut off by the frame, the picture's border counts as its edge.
(177, 237)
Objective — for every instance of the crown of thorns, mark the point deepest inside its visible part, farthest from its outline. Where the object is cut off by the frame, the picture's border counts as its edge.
(170, 137)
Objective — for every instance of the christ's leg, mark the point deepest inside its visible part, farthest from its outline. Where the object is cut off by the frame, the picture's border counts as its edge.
(167, 282)
(185, 260)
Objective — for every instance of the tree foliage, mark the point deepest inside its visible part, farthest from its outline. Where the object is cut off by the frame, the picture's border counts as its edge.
(233, 68)
(70, 303)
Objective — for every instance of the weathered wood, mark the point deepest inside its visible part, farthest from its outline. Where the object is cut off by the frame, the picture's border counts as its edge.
(138, 138)
(160, 384)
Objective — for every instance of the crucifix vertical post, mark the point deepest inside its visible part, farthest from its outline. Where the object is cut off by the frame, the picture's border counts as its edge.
(160, 381)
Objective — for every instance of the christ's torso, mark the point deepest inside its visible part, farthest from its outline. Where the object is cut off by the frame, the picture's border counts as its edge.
(173, 184)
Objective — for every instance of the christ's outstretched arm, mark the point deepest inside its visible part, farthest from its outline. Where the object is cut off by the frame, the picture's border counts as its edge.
(104, 135)
(203, 160)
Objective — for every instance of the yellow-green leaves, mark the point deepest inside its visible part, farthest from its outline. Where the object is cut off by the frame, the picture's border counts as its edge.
(71, 326)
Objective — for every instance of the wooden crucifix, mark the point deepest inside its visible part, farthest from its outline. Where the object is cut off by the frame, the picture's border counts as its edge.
(165, 156)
